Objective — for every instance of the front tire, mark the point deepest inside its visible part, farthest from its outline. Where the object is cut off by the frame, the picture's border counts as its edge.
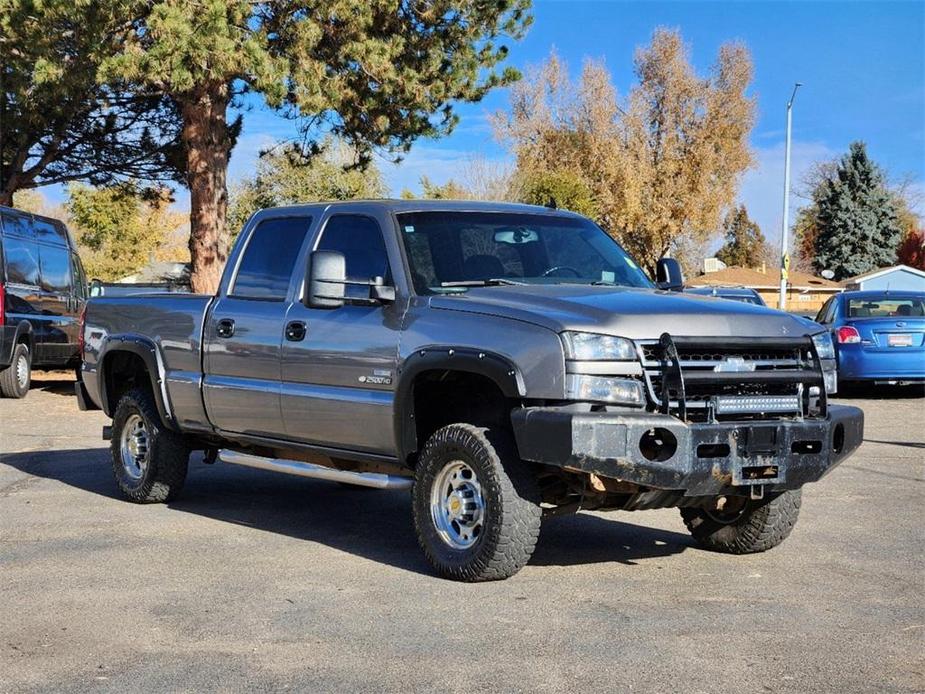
(148, 460)
(17, 377)
(757, 526)
(475, 503)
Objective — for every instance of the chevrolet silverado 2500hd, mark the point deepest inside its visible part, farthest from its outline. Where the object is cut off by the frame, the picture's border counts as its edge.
(503, 362)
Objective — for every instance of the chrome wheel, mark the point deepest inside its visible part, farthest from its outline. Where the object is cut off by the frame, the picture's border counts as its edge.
(134, 446)
(22, 371)
(456, 505)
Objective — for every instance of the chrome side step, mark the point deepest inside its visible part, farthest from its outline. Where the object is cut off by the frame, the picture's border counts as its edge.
(296, 467)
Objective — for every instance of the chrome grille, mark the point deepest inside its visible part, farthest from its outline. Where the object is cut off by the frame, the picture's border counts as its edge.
(776, 372)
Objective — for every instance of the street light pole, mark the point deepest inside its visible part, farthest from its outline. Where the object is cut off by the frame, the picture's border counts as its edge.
(785, 224)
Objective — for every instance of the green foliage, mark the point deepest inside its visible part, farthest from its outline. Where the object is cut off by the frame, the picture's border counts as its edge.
(118, 228)
(376, 73)
(284, 179)
(451, 190)
(858, 226)
(563, 189)
(59, 123)
(745, 245)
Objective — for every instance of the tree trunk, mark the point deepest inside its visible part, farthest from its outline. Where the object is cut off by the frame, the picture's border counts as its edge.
(208, 147)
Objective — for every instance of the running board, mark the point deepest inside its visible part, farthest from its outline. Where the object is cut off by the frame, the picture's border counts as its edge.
(295, 467)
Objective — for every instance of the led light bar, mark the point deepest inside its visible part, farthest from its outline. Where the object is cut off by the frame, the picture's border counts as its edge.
(756, 404)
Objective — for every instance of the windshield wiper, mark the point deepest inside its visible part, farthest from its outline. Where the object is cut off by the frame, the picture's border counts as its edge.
(481, 283)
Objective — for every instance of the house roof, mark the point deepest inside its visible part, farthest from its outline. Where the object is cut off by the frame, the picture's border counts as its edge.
(882, 271)
(736, 276)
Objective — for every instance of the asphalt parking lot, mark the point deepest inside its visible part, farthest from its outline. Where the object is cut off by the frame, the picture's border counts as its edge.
(259, 581)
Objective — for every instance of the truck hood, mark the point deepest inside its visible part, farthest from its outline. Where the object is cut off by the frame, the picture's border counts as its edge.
(637, 314)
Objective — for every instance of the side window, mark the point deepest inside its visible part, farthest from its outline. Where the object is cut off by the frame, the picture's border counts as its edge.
(18, 225)
(46, 231)
(827, 313)
(80, 279)
(55, 269)
(269, 258)
(359, 238)
(22, 260)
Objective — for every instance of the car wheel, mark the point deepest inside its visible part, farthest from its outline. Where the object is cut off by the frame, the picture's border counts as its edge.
(746, 526)
(149, 461)
(17, 377)
(475, 503)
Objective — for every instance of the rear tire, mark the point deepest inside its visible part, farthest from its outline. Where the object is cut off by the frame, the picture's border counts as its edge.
(148, 460)
(757, 527)
(476, 505)
(17, 377)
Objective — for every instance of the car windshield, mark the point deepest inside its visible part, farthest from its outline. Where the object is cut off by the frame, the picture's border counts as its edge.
(885, 306)
(451, 251)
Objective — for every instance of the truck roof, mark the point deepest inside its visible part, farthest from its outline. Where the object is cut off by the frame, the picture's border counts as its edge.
(398, 206)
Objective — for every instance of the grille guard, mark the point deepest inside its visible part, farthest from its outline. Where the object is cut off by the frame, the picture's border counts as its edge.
(673, 377)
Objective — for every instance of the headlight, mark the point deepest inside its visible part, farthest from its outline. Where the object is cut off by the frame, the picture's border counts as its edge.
(624, 391)
(824, 346)
(593, 347)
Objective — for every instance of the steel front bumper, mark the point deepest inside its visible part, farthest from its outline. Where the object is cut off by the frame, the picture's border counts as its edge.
(700, 459)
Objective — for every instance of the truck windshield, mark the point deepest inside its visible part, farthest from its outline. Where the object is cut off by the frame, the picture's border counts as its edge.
(450, 251)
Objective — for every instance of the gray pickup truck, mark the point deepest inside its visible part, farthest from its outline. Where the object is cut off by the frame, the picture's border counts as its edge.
(503, 362)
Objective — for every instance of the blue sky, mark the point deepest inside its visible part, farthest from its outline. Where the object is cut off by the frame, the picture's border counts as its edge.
(862, 64)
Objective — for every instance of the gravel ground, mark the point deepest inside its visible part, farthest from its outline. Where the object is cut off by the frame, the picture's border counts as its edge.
(258, 581)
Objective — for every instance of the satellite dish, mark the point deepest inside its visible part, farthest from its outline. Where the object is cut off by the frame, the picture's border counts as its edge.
(827, 274)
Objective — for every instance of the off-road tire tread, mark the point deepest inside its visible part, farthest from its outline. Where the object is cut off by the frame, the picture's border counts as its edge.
(764, 525)
(9, 385)
(508, 545)
(168, 457)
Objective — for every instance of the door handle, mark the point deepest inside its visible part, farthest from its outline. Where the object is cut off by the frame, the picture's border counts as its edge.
(225, 327)
(295, 331)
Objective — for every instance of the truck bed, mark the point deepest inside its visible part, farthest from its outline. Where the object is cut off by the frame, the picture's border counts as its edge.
(173, 324)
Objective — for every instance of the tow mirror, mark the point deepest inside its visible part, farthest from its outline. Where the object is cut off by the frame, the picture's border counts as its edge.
(668, 275)
(327, 279)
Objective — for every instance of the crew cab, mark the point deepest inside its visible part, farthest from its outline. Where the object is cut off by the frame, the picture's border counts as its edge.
(502, 362)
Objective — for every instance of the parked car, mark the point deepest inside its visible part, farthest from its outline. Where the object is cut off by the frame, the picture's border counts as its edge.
(42, 292)
(879, 336)
(744, 294)
(503, 362)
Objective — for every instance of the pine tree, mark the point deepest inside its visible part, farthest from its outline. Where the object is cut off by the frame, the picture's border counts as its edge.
(377, 73)
(858, 225)
(745, 244)
(58, 121)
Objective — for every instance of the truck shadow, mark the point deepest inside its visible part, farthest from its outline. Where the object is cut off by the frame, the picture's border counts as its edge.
(368, 523)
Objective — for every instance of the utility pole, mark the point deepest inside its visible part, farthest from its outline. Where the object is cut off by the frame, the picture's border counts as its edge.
(785, 223)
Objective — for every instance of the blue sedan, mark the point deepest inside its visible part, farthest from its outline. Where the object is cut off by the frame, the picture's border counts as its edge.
(879, 336)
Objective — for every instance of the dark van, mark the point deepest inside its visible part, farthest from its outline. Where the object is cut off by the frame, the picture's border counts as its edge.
(42, 292)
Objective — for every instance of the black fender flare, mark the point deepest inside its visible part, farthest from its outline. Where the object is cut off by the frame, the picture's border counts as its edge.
(499, 369)
(147, 351)
(25, 328)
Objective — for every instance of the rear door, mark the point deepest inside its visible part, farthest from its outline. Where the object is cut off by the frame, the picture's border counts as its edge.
(244, 330)
(23, 295)
(59, 342)
(339, 365)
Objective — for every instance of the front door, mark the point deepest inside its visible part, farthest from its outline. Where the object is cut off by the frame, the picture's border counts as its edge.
(245, 330)
(338, 365)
